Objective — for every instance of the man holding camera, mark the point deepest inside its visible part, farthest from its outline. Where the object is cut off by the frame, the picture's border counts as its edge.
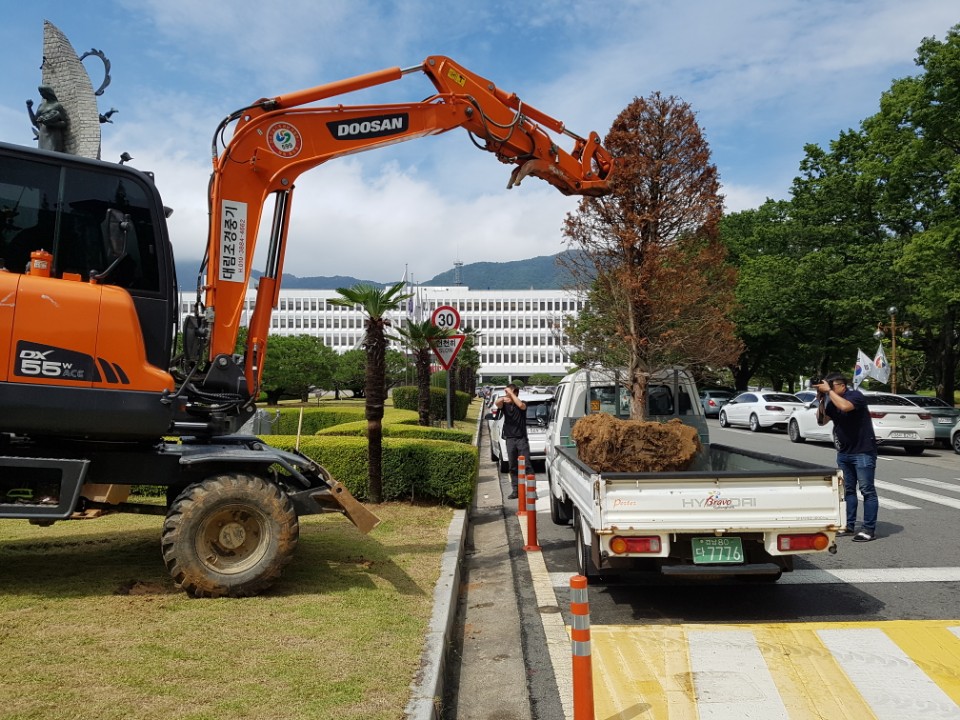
(857, 449)
(514, 432)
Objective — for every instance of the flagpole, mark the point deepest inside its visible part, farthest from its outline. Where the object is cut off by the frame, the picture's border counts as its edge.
(893, 351)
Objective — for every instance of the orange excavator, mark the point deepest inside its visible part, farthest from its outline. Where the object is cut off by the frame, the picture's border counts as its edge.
(95, 397)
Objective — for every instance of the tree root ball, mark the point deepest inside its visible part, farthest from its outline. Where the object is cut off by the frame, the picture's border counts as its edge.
(607, 444)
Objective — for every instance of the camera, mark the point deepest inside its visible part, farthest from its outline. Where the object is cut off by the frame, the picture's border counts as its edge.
(815, 381)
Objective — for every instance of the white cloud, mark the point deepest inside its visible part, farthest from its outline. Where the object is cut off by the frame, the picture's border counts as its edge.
(764, 79)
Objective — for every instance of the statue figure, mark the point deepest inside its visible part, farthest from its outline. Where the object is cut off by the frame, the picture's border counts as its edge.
(50, 120)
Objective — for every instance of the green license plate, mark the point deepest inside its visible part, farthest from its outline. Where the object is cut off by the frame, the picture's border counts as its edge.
(712, 550)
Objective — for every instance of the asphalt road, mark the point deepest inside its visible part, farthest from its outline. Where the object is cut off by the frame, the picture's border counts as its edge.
(917, 535)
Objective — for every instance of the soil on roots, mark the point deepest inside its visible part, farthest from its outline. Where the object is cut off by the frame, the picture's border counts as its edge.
(607, 444)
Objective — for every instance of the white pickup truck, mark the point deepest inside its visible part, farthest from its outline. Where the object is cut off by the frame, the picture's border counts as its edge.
(734, 512)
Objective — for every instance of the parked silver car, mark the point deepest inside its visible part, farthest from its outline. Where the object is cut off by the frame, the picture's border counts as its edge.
(944, 414)
(713, 400)
(896, 421)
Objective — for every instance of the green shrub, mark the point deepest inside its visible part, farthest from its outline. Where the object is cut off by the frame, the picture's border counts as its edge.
(406, 397)
(314, 419)
(359, 429)
(414, 469)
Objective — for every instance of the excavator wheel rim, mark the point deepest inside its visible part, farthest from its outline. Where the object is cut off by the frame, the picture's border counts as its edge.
(230, 540)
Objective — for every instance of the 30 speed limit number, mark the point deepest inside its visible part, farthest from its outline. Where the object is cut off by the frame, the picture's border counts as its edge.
(446, 317)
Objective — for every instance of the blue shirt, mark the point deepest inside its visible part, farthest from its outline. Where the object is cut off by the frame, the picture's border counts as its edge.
(854, 429)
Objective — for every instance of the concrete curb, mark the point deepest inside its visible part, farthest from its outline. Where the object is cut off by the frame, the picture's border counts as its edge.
(427, 688)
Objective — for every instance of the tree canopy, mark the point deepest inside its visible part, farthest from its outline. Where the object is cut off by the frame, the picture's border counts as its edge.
(659, 286)
(872, 222)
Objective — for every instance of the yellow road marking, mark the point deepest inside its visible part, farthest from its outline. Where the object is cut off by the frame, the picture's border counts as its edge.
(644, 672)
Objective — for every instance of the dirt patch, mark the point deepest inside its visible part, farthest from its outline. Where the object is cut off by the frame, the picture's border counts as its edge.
(610, 445)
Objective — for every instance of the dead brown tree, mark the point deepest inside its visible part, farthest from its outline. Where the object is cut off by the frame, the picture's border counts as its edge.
(650, 248)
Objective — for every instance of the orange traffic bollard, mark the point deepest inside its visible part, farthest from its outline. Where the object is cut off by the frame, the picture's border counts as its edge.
(532, 514)
(521, 485)
(580, 643)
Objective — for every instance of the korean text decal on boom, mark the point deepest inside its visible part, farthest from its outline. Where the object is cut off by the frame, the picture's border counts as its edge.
(369, 127)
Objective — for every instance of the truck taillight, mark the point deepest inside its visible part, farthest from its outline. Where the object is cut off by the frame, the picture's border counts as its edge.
(813, 541)
(621, 545)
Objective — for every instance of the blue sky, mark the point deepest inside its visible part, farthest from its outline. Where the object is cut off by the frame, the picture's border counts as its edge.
(764, 77)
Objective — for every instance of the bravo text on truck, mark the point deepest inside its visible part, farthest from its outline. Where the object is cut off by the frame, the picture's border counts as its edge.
(733, 512)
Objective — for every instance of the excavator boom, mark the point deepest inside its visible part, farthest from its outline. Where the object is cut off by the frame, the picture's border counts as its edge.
(276, 139)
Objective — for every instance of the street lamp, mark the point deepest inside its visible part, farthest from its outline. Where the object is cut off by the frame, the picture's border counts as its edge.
(880, 332)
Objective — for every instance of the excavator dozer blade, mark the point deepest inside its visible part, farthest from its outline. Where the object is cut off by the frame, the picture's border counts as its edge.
(336, 498)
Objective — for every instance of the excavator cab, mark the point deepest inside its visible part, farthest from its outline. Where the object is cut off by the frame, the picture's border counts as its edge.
(85, 346)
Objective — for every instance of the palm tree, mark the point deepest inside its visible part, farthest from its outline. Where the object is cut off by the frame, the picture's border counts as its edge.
(418, 337)
(375, 303)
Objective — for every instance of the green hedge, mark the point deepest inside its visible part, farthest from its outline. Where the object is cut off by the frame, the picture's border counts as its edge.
(359, 429)
(407, 397)
(316, 419)
(413, 469)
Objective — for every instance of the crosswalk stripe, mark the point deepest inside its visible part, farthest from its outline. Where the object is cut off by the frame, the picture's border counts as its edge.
(951, 487)
(886, 502)
(730, 678)
(891, 683)
(801, 671)
(920, 494)
(936, 650)
(810, 682)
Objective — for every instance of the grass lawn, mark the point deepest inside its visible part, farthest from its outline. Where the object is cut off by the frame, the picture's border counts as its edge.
(91, 625)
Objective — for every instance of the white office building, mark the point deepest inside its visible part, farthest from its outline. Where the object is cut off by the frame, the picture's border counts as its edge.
(521, 332)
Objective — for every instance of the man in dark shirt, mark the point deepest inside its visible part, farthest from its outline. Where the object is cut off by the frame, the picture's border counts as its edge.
(857, 451)
(514, 432)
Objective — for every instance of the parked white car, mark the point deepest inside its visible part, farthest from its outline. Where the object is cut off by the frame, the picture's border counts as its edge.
(538, 410)
(896, 421)
(760, 410)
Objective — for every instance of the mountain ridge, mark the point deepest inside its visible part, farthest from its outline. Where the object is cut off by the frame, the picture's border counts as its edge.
(538, 273)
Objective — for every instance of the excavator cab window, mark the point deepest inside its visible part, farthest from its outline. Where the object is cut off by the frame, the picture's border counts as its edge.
(90, 220)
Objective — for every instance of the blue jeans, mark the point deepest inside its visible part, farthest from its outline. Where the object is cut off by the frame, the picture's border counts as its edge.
(859, 469)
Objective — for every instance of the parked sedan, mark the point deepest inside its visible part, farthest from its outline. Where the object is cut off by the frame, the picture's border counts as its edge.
(896, 421)
(713, 400)
(955, 437)
(944, 414)
(760, 410)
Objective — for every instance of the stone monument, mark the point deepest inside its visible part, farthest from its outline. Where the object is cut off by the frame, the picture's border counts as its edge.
(67, 119)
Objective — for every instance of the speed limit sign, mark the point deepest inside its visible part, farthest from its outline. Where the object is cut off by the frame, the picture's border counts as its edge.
(446, 317)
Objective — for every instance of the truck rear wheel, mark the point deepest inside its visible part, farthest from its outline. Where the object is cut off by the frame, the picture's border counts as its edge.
(585, 564)
(559, 510)
(230, 535)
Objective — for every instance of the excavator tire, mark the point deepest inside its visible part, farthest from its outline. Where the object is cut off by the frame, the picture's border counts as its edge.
(229, 535)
